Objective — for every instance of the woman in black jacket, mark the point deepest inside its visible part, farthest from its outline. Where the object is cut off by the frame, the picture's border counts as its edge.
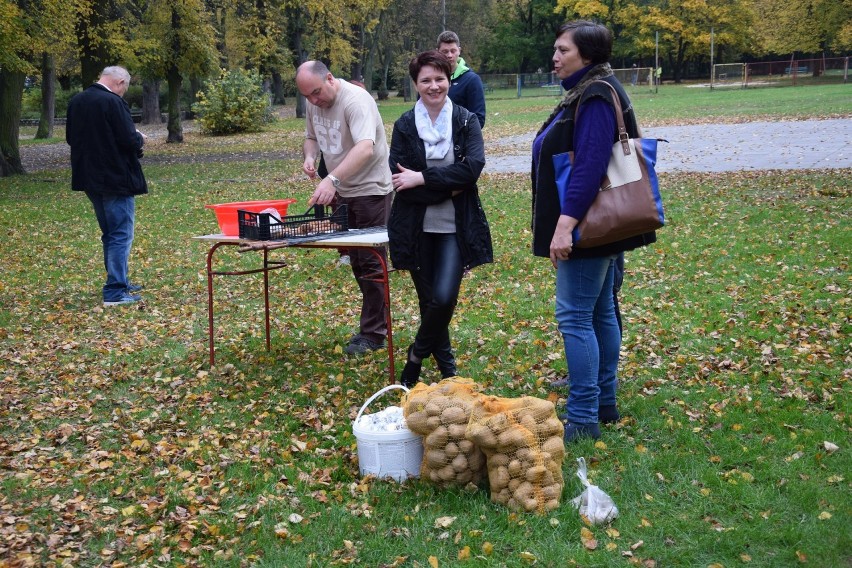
(437, 227)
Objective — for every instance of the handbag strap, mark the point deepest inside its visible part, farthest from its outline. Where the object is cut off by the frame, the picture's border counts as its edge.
(623, 137)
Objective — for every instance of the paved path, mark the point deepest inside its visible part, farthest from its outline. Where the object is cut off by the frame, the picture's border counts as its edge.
(793, 145)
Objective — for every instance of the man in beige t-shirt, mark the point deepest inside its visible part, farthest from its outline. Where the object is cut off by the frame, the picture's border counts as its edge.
(343, 123)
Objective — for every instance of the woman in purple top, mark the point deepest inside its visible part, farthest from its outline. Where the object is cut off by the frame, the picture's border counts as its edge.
(585, 311)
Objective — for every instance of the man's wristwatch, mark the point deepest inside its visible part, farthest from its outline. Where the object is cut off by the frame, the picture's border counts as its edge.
(334, 181)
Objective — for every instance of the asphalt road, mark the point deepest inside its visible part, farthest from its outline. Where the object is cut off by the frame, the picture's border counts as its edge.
(792, 145)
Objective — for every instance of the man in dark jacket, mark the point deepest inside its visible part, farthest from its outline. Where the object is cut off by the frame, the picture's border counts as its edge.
(105, 152)
(466, 88)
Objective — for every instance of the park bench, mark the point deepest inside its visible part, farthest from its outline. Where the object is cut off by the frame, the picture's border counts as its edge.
(487, 88)
(800, 70)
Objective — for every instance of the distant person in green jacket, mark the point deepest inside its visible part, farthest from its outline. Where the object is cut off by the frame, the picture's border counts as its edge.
(466, 88)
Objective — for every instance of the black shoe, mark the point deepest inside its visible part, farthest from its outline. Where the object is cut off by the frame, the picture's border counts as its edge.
(608, 414)
(123, 300)
(559, 383)
(359, 345)
(411, 372)
(574, 432)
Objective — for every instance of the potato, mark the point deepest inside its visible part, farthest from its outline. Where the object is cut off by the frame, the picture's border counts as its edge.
(501, 497)
(453, 415)
(437, 439)
(523, 492)
(512, 437)
(550, 492)
(530, 504)
(476, 460)
(457, 431)
(514, 484)
(452, 450)
(554, 445)
(433, 408)
(499, 459)
(447, 473)
(553, 426)
(528, 422)
(416, 422)
(551, 505)
(523, 454)
(498, 424)
(436, 459)
(432, 422)
(416, 402)
(460, 464)
(499, 478)
(515, 468)
(466, 446)
(536, 473)
(483, 437)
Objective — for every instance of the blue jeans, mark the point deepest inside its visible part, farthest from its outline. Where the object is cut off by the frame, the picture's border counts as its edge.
(116, 215)
(585, 313)
(437, 282)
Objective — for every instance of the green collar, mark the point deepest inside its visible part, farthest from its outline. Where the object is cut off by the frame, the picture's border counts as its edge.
(461, 67)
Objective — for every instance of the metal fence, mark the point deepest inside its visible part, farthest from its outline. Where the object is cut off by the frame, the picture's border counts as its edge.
(517, 85)
(784, 73)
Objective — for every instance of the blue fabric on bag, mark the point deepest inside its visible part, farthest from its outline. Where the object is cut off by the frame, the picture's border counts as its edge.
(562, 167)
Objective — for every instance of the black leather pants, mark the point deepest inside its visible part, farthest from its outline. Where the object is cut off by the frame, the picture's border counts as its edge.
(437, 283)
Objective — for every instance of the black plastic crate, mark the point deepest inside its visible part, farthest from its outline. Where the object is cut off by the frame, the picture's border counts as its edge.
(265, 227)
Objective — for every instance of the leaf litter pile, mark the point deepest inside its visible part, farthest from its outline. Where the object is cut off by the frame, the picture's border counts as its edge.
(119, 446)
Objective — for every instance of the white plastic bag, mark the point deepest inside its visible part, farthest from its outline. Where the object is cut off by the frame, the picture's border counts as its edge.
(593, 502)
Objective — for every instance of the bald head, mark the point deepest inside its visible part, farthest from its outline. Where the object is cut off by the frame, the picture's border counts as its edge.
(316, 83)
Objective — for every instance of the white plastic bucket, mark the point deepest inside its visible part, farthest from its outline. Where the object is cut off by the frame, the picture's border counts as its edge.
(388, 454)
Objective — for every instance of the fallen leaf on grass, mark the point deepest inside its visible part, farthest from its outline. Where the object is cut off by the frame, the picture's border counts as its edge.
(444, 522)
(588, 539)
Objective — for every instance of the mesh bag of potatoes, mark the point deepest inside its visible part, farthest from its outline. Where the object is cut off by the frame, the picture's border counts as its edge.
(440, 412)
(522, 441)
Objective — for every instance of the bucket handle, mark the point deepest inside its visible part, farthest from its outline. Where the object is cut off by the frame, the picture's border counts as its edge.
(377, 395)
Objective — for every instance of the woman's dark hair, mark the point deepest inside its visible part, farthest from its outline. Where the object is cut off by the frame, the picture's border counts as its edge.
(432, 58)
(593, 41)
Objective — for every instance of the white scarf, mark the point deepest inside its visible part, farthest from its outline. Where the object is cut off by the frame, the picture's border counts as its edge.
(437, 137)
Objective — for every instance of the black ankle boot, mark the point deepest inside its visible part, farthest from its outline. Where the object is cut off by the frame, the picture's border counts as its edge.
(411, 372)
(608, 414)
(446, 362)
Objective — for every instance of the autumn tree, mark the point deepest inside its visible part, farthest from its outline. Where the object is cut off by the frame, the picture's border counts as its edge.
(804, 26)
(179, 40)
(685, 26)
(31, 33)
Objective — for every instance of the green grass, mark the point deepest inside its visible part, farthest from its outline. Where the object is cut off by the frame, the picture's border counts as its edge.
(119, 446)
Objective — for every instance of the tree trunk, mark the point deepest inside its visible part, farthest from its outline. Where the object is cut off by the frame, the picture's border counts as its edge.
(194, 87)
(174, 126)
(300, 100)
(278, 97)
(48, 97)
(11, 90)
(151, 102)
(94, 55)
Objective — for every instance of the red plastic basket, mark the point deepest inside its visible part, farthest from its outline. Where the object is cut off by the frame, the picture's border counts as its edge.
(226, 213)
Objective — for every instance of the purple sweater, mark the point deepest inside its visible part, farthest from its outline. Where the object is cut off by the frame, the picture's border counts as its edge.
(594, 133)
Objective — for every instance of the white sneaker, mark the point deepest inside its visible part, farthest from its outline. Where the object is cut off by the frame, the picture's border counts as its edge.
(344, 260)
